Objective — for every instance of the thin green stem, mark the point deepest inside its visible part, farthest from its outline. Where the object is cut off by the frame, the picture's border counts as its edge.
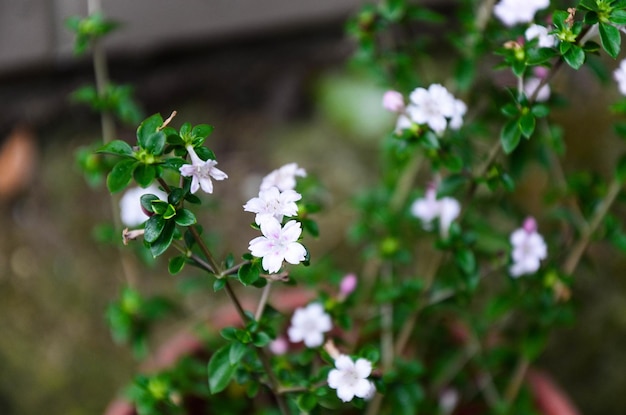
(517, 380)
(205, 250)
(263, 301)
(577, 251)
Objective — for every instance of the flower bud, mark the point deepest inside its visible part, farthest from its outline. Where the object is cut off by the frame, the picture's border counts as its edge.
(393, 101)
(347, 285)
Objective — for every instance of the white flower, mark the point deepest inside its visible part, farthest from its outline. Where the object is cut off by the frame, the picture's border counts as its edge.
(434, 107)
(284, 178)
(456, 121)
(273, 203)
(426, 208)
(131, 212)
(511, 12)
(201, 172)
(278, 244)
(531, 84)
(620, 76)
(431, 106)
(350, 378)
(393, 101)
(536, 31)
(429, 208)
(449, 210)
(403, 123)
(309, 324)
(529, 249)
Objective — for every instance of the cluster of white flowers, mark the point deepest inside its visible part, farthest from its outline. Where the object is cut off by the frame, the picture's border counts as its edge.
(512, 12)
(429, 208)
(435, 107)
(349, 378)
(529, 249)
(201, 172)
(309, 324)
(276, 200)
(620, 76)
(131, 212)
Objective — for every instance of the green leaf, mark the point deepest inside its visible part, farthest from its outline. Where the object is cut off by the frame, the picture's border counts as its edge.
(237, 351)
(591, 18)
(184, 217)
(164, 240)
(588, 5)
(202, 131)
(392, 10)
(170, 212)
(176, 264)
(144, 174)
(575, 57)
(306, 402)
(154, 227)
(466, 260)
(173, 163)
(146, 201)
(158, 206)
(510, 136)
(149, 135)
(538, 56)
(510, 110)
(610, 39)
(618, 17)
(219, 284)
(249, 273)
(540, 110)
(229, 333)
(261, 339)
(220, 370)
(117, 147)
(527, 124)
(533, 345)
(311, 227)
(620, 171)
(120, 175)
(518, 67)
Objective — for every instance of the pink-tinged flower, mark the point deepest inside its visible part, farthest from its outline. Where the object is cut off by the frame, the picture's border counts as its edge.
(279, 346)
(278, 244)
(393, 101)
(531, 84)
(349, 378)
(529, 249)
(347, 285)
(131, 212)
(539, 32)
(284, 178)
(512, 12)
(620, 76)
(201, 172)
(309, 324)
(274, 204)
(448, 400)
(429, 208)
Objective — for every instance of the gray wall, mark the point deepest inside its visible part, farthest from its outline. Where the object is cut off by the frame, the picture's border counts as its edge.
(32, 32)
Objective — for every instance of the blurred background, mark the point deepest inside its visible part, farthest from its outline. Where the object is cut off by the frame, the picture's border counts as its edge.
(273, 77)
